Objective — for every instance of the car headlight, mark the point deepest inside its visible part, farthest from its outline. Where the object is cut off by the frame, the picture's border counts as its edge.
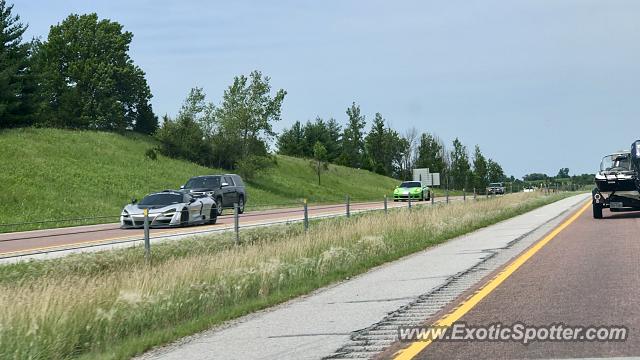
(169, 213)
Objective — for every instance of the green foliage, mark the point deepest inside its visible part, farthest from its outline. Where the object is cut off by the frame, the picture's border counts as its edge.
(17, 83)
(300, 139)
(250, 166)
(89, 81)
(480, 171)
(245, 118)
(495, 172)
(292, 141)
(353, 139)
(460, 167)
(536, 177)
(319, 159)
(431, 154)
(383, 147)
(183, 138)
(563, 173)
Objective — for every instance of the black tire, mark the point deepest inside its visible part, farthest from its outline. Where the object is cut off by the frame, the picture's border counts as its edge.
(421, 196)
(213, 216)
(218, 201)
(184, 217)
(428, 195)
(241, 205)
(597, 211)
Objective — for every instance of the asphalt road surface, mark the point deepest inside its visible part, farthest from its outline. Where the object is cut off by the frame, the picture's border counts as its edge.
(61, 239)
(588, 274)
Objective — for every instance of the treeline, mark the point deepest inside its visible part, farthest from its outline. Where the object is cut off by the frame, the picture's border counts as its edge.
(80, 77)
(385, 151)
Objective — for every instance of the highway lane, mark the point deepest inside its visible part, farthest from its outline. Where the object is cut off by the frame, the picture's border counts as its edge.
(588, 274)
(38, 241)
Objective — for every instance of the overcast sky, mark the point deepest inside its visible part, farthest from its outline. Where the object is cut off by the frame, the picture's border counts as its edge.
(539, 85)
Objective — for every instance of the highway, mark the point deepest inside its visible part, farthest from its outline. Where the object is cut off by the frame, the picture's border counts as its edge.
(559, 280)
(60, 241)
(585, 275)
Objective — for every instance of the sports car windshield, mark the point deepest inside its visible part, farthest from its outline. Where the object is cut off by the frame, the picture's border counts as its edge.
(212, 182)
(161, 200)
(615, 162)
(410, 184)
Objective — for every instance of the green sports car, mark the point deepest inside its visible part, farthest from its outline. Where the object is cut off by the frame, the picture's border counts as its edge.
(411, 189)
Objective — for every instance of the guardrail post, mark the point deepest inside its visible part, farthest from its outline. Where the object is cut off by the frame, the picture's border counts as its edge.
(236, 222)
(147, 242)
(464, 194)
(447, 195)
(475, 195)
(306, 216)
(432, 195)
(385, 204)
(348, 206)
(409, 201)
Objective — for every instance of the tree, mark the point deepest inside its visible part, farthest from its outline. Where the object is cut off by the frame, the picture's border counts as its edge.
(480, 177)
(334, 140)
(377, 147)
(431, 153)
(246, 116)
(319, 159)
(89, 81)
(494, 171)
(535, 177)
(17, 87)
(353, 138)
(563, 173)
(460, 167)
(190, 135)
(292, 141)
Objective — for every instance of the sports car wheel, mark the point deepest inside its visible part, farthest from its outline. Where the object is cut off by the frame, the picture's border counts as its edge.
(184, 217)
(422, 196)
(428, 196)
(219, 205)
(241, 205)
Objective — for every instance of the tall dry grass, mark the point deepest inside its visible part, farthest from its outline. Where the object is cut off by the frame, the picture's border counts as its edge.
(64, 314)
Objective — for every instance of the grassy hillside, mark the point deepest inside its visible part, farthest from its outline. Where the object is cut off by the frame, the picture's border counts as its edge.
(58, 174)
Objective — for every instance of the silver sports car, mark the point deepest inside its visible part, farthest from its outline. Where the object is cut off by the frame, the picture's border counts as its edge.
(170, 208)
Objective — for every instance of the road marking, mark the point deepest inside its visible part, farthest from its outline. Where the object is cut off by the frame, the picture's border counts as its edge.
(447, 320)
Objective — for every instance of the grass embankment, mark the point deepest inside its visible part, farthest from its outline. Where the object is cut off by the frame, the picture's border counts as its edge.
(61, 174)
(111, 305)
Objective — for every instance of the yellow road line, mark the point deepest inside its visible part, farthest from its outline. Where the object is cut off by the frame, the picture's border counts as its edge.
(463, 308)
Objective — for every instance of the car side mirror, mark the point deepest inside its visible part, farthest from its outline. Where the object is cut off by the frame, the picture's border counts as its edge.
(134, 200)
(224, 184)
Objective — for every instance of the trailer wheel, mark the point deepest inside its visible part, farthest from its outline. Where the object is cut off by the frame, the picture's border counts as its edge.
(597, 211)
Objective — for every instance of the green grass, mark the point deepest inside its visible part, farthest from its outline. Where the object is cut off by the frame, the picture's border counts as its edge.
(61, 174)
(111, 305)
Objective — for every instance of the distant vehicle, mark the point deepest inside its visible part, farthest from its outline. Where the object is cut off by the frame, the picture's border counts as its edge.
(495, 188)
(617, 182)
(528, 189)
(225, 190)
(412, 189)
(170, 208)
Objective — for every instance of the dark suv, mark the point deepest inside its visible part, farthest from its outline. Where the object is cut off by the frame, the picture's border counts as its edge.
(226, 190)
